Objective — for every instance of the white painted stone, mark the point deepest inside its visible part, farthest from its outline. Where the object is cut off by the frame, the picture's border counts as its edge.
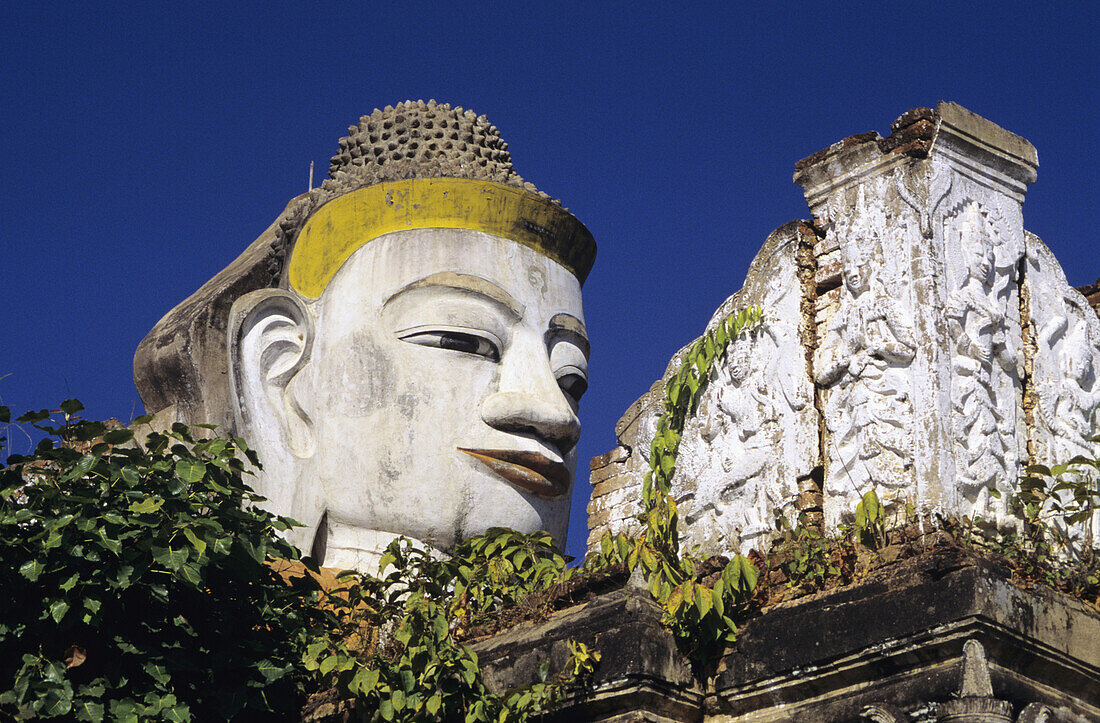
(920, 360)
(1065, 368)
(920, 366)
(754, 433)
(425, 342)
(863, 363)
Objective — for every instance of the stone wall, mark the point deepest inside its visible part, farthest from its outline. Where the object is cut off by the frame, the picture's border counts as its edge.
(942, 636)
(917, 342)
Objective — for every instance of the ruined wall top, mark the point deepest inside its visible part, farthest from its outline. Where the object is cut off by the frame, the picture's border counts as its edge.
(918, 342)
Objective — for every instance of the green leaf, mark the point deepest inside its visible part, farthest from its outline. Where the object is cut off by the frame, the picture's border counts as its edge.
(675, 599)
(118, 436)
(190, 471)
(56, 702)
(58, 610)
(169, 558)
(81, 468)
(190, 574)
(746, 573)
(147, 505)
(31, 569)
(364, 681)
(71, 406)
(668, 462)
(328, 664)
(88, 710)
(33, 417)
(198, 544)
(703, 600)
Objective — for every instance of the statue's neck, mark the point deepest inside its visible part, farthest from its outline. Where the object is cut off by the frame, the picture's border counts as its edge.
(347, 547)
(353, 548)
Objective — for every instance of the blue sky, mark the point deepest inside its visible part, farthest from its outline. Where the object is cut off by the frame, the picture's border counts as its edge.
(146, 144)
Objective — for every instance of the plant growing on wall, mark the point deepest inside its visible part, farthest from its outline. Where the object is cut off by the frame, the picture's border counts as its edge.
(699, 612)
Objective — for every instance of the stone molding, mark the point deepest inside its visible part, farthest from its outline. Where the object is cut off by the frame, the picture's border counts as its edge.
(904, 644)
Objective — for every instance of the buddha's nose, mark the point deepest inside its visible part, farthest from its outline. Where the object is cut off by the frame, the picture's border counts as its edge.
(529, 401)
(527, 413)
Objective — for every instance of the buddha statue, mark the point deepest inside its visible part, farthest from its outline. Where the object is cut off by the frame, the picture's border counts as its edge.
(404, 348)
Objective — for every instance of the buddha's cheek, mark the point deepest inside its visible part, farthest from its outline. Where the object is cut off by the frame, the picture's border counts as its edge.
(388, 433)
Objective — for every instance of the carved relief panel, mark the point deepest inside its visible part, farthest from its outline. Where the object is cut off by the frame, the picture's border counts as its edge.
(1065, 366)
(755, 429)
(863, 363)
(983, 243)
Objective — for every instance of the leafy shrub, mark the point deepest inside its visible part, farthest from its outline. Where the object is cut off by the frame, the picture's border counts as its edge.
(142, 583)
(134, 579)
(417, 669)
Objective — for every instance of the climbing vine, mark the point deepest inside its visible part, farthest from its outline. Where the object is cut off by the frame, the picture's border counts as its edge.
(699, 611)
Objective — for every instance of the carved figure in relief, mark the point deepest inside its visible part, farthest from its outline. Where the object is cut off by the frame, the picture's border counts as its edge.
(1072, 403)
(406, 348)
(740, 423)
(977, 321)
(867, 346)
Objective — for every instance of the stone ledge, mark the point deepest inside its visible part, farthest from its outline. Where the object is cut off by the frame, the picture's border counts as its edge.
(641, 676)
(897, 638)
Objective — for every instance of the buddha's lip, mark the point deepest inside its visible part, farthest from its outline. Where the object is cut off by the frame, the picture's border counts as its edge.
(530, 471)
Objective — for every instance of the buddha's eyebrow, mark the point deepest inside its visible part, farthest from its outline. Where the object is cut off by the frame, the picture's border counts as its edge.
(463, 282)
(570, 323)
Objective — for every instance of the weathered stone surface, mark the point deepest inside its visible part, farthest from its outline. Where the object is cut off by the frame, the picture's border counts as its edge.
(755, 432)
(898, 639)
(641, 677)
(405, 348)
(920, 363)
(1064, 336)
(937, 351)
(1091, 292)
(944, 633)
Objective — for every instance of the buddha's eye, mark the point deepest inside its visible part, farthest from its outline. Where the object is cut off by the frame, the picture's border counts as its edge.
(462, 341)
(573, 383)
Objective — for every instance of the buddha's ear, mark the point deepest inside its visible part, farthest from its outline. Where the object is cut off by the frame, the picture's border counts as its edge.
(270, 336)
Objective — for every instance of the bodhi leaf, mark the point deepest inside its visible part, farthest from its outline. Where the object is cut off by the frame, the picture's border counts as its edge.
(190, 471)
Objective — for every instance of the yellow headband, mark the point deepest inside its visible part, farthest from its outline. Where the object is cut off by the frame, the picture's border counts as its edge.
(337, 229)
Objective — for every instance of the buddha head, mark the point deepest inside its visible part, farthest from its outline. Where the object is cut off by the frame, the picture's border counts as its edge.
(405, 348)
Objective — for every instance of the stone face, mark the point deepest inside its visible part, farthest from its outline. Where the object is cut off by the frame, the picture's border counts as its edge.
(405, 348)
(370, 433)
(916, 343)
